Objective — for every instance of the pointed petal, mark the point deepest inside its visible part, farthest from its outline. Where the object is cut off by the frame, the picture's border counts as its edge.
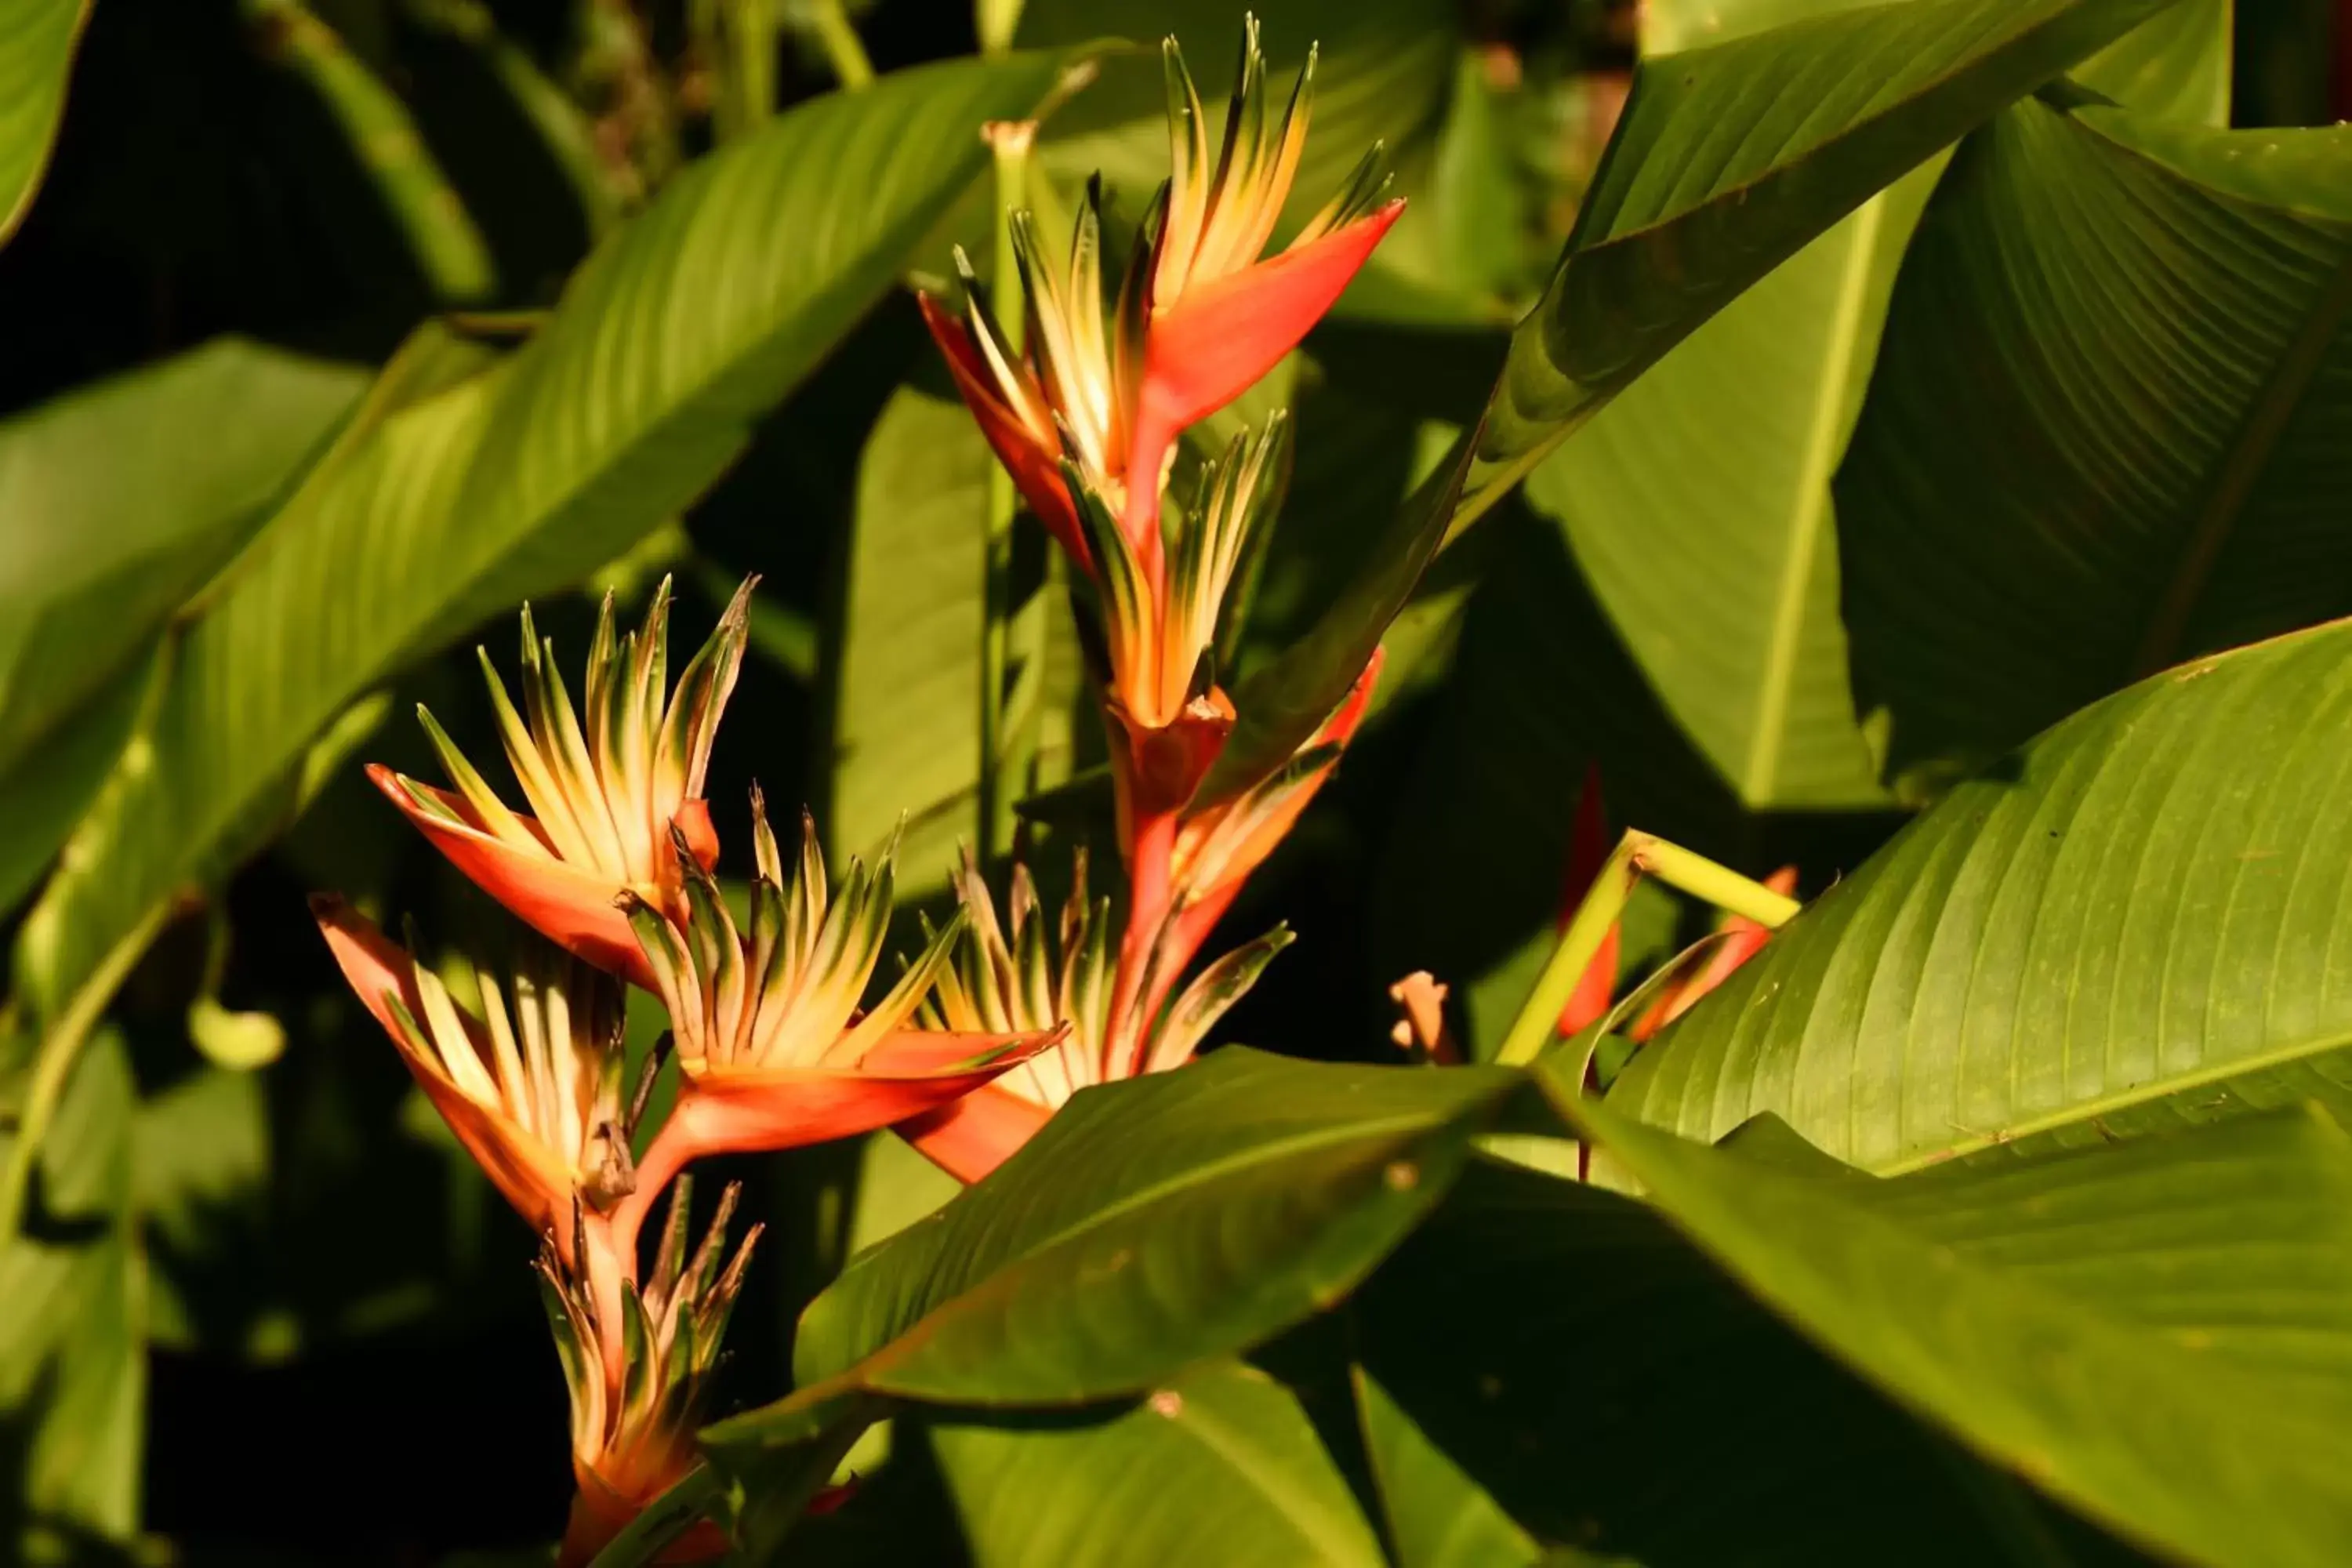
(383, 976)
(1036, 466)
(969, 1138)
(571, 909)
(1218, 338)
(786, 1108)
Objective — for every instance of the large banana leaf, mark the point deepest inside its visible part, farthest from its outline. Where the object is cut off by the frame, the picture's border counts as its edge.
(2149, 900)
(2158, 1332)
(121, 499)
(1149, 1226)
(1730, 159)
(679, 332)
(2113, 425)
(1612, 1390)
(1698, 502)
(37, 52)
(1218, 1465)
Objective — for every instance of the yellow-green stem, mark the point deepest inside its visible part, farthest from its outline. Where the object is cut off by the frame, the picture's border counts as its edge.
(1636, 854)
(841, 47)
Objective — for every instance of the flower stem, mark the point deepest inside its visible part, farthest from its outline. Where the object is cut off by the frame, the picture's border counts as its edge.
(842, 48)
(1636, 854)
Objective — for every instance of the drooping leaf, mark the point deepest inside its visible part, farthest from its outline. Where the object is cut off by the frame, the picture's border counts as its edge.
(121, 499)
(72, 1369)
(684, 327)
(37, 52)
(2113, 426)
(2148, 900)
(1730, 159)
(1153, 1224)
(2159, 1332)
(1218, 1465)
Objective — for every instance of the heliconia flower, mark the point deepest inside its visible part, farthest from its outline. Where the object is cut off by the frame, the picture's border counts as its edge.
(1222, 317)
(1198, 317)
(611, 797)
(633, 1426)
(1588, 847)
(1737, 940)
(533, 1087)
(773, 1050)
(1017, 976)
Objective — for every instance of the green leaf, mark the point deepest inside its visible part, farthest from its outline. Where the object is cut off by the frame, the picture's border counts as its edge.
(2146, 900)
(1218, 1465)
(1697, 503)
(1437, 1516)
(684, 327)
(72, 1370)
(1153, 1224)
(123, 497)
(903, 717)
(2174, 66)
(2159, 1332)
(2110, 426)
(1611, 1388)
(1730, 159)
(37, 49)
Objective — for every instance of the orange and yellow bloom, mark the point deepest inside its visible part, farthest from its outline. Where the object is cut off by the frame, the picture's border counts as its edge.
(613, 788)
(771, 1048)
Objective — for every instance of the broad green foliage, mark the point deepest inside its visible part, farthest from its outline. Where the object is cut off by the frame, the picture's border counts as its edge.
(1703, 167)
(1217, 1466)
(2156, 1331)
(1150, 1224)
(1553, 1341)
(1891, 380)
(683, 328)
(101, 550)
(37, 52)
(2148, 900)
(2108, 430)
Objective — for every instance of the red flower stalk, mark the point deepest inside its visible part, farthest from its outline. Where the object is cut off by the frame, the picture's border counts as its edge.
(611, 796)
(773, 1050)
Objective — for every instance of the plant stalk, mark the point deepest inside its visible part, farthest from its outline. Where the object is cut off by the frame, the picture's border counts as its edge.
(1637, 853)
(842, 51)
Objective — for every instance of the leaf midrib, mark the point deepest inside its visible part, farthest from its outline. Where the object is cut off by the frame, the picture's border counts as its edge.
(1314, 1523)
(1840, 351)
